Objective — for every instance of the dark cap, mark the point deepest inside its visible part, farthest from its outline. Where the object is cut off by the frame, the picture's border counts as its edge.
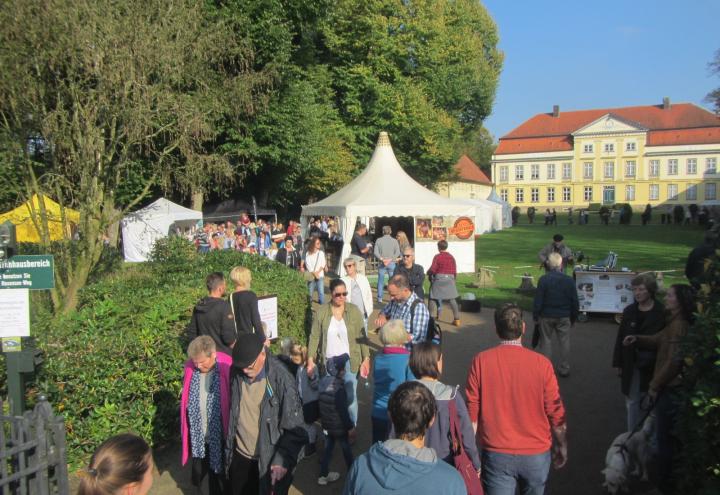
(558, 237)
(246, 350)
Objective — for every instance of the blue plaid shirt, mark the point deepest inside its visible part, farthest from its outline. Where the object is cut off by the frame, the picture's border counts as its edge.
(401, 311)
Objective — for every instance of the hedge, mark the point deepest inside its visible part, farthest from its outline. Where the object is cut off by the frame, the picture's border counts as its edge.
(116, 363)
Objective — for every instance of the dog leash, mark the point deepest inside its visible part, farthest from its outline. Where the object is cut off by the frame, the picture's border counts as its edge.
(639, 425)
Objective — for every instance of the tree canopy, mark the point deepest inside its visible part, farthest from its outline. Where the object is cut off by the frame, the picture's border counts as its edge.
(713, 97)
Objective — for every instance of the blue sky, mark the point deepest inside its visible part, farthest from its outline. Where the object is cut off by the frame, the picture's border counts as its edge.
(582, 55)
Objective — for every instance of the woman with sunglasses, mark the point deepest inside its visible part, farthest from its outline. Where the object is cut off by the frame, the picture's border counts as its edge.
(359, 291)
(337, 329)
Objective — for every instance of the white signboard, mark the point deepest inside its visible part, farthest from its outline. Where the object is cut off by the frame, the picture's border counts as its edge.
(15, 313)
(604, 292)
(267, 306)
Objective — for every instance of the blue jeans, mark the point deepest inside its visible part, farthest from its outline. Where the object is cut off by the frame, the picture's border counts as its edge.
(318, 284)
(502, 472)
(329, 447)
(382, 269)
(351, 391)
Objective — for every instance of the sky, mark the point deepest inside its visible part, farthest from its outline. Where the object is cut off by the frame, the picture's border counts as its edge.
(582, 55)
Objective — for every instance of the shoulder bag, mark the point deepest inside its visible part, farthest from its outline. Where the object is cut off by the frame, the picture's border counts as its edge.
(462, 461)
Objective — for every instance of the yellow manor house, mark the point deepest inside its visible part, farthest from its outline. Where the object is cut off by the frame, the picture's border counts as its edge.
(658, 155)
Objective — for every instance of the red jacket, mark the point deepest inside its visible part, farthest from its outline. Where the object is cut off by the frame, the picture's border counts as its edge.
(513, 396)
(443, 263)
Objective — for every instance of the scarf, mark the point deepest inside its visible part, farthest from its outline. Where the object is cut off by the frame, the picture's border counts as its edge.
(214, 426)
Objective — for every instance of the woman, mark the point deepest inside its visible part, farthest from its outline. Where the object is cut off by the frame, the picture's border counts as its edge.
(442, 275)
(426, 363)
(663, 388)
(402, 239)
(390, 370)
(263, 243)
(337, 329)
(288, 255)
(635, 367)
(359, 291)
(121, 465)
(244, 303)
(315, 264)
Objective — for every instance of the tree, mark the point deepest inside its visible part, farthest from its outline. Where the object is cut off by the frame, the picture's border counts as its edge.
(100, 101)
(714, 96)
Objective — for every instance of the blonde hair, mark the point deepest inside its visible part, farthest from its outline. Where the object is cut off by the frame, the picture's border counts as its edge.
(393, 333)
(203, 344)
(241, 276)
(402, 238)
(299, 350)
(117, 462)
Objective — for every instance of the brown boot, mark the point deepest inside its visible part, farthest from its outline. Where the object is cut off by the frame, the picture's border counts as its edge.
(456, 323)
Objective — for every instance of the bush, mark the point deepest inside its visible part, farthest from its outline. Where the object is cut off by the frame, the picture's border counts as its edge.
(116, 363)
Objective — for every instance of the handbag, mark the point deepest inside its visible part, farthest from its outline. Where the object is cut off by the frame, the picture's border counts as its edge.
(462, 461)
(308, 276)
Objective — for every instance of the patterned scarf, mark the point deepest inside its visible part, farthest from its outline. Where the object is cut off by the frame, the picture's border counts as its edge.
(214, 426)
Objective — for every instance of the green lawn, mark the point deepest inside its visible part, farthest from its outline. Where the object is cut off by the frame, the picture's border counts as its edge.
(655, 247)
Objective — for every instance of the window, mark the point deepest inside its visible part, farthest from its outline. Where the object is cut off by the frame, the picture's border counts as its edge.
(567, 171)
(654, 168)
(551, 194)
(534, 195)
(629, 193)
(587, 148)
(609, 147)
(692, 166)
(587, 170)
(551, 171)
(534, 172)
(710, 165)
(630, 168)
(691, 192)
(608, 195)
(711, 191)
(672, 192)
(609, 170)
(567, 196)
(519, 195)
(654, 193)
(504, 194)
(630, 146)
(503, 173)
(587, 193)
(672, 167)
(519, 172)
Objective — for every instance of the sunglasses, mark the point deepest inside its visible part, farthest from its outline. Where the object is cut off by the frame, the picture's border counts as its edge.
(349, 266)
(340, 294)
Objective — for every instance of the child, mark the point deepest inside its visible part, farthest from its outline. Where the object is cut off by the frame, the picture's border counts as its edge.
(308, 389)
(334, 417)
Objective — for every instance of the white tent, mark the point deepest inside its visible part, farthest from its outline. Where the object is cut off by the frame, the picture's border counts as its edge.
(506, 208)
(142, 228)
(384, 189)
(488, 215)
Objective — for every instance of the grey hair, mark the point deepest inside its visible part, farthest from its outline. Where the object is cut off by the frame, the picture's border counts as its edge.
(350, 261)
(203, 344)
(408, 248)
(554, 261)
(393, 333)
(386, 230)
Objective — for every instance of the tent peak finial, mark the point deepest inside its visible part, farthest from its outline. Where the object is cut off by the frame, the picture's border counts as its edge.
(383, 139)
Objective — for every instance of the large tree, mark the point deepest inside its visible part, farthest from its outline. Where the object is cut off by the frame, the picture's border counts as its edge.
(102, 100)
(714, 96)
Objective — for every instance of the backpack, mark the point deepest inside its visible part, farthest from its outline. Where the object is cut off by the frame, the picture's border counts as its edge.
(434, 332)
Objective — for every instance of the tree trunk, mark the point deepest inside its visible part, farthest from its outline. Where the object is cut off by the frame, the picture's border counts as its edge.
(113, 231)
(197, 200)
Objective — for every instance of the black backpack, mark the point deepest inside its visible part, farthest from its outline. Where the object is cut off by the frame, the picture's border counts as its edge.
(434, 332)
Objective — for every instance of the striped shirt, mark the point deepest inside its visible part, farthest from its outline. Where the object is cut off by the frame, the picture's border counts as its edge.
(417, 326)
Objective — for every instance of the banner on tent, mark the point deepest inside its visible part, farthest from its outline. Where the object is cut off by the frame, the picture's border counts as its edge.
(450, 228)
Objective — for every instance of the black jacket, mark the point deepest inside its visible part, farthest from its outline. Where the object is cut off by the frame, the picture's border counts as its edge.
(416, 276)
(556, 297)
(629, 358)
(333, 403)
(212, 316)
(291, 259)
(282, 427)
(695, 266)
(247, 316)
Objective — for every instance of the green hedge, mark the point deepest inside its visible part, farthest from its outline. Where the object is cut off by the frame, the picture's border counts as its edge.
(116, 363)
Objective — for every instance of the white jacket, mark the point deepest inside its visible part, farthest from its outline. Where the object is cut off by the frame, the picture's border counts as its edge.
(364, 285)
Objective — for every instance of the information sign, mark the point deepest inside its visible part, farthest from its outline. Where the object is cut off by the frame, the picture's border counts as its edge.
(267, 307)
(33, 272)
(15, 313)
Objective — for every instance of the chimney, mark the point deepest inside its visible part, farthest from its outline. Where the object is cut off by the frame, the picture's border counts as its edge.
(556, 110)
(666, 103)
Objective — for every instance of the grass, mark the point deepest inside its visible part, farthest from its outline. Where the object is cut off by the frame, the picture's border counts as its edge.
(651, 248)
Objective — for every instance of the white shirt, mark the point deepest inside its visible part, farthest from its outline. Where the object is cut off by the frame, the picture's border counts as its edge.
(315, 262)
(337, 339)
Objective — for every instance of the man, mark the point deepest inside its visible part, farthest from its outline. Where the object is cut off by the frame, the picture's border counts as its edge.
(204, 412)
(515, 407)
(387, 252)
(359, 292)
(404, 464)
(360, 248)
(402, 300)
(556, 309)
(213, 315)
(695, 266)
(414, 272)
(266, 430)
(556, 246)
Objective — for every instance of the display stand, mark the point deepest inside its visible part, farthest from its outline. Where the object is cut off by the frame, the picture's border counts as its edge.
(603, 292)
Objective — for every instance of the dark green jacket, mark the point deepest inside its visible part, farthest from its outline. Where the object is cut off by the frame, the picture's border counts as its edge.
(353, 322)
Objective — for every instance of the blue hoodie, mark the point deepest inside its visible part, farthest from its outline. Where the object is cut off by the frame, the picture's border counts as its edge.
(397, 466)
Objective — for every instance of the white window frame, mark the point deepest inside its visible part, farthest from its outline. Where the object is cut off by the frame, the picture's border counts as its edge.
(551, 171)
(630, 168)
(535, 171)
(566, 194)
(519, 195)
(588, 166)
(711, 165)
(519, 172)
(609, 166)
(654, 168)
(654, 192)
(588, 193)
(551, 194)
(534, 194)
(630, 146)
(708, 188)
(629, 192)
(691, 192)
(672, 192)
(672, 166)
(567, 171)
(691, 166)
(503, 173)
(588, 148)
(504, 195)
(609, 147)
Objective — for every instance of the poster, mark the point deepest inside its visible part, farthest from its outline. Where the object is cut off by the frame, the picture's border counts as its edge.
(267, 307)
(604, 292)
(448, 228)
(15, 313)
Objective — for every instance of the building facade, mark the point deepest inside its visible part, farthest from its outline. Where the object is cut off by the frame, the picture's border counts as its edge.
(658, 155)
(470, 182)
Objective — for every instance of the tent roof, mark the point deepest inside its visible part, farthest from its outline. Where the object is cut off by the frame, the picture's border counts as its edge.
(495, 198)
(25, 230)
(163, 208)
(231, 208)
(385, 189)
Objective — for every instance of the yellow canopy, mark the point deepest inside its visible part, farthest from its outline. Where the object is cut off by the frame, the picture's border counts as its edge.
(25, 230)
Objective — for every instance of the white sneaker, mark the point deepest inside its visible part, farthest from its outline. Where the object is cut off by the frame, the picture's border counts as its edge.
(331, 477)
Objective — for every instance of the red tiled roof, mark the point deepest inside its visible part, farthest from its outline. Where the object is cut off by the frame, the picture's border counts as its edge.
(468, 171)
(682, 123)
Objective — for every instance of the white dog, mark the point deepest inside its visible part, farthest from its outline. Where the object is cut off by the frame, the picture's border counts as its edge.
(628, 458)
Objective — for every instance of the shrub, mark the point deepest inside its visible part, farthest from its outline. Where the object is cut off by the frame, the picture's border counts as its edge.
(116, 363)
